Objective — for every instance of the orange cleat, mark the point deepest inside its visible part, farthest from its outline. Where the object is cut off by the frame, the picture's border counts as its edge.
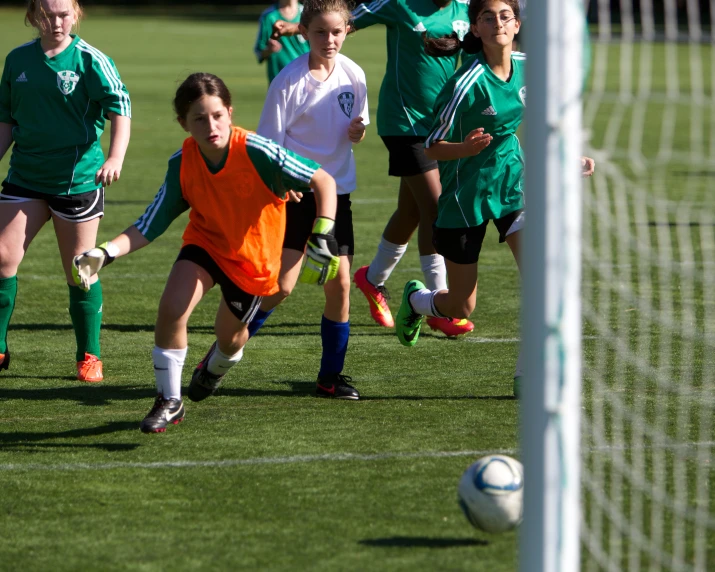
(5, 360)
(377, 296)
(90, 369)
(450, 327)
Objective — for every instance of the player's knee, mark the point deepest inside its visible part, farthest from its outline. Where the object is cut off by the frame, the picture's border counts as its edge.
(9, 261)
(171, 313)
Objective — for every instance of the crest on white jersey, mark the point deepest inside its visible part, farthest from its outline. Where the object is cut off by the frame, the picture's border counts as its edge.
(67, 81)
(460, 28)
(346, 100)
(522, 95)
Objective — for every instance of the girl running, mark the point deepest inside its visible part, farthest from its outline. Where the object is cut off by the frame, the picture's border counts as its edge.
(482, 171)
(404, 116)
(278, 52)
(317, 107)
(55, 94)
(234, 184)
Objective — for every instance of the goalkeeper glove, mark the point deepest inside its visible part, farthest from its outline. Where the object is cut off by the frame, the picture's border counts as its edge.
(321, 260)
(87, 264)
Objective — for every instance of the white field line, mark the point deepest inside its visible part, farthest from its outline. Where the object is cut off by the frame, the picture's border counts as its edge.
(509, 340)
(316, 458)
(254, 461)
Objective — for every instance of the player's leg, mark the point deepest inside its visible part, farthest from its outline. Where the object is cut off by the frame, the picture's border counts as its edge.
(513, 240)
(460, 248)
(20, 221)
(76, 220)
(235, 312)
(299, 225)
(187, 284)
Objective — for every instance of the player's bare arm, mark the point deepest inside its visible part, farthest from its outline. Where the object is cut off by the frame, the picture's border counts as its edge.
(5, 138)
(356, 130)
(118, 142)
(474, 143)
(272, 47)
(587, 166)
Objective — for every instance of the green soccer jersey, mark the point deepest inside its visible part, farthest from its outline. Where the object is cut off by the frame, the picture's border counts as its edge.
(280, 170)
(488, 185)
(57, 107)
(293, 46)
(412, 78)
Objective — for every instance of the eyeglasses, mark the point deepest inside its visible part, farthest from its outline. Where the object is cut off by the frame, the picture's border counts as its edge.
(491, 19)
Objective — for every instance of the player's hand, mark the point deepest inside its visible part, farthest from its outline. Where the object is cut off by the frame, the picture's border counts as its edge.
(87, 264)
(109, 172)
(477, 141)
(321, 260)
(294, 196)
(587, 166)
(356, 130)
(273, 46)
(282, 28)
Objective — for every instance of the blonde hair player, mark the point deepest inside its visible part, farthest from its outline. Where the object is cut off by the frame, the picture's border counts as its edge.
(55, 94)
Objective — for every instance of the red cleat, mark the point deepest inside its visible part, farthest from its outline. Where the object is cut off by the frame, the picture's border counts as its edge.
(90, 369)
(450, 327)
(377, 297)
(5, 359)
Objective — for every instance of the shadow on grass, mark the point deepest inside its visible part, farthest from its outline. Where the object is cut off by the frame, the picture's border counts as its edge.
(16, 440)
(93, 395)
(421, 542)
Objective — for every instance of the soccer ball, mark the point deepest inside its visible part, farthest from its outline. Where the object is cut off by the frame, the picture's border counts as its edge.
(491, 493)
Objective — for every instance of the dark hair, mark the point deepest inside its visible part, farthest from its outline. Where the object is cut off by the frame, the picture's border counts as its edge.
(449, 45)
(313, 8)
(195, 87)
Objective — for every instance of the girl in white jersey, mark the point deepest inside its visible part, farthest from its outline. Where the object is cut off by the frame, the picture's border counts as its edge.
(317, 107)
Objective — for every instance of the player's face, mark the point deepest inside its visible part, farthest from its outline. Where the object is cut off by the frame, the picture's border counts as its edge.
(209, 122)
(326, 34)
(496, 24)
(54, 19)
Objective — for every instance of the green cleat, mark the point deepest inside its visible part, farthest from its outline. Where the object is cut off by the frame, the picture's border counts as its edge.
(408, 322)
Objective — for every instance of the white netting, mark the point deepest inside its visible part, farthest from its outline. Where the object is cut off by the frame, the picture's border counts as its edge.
(649, 288)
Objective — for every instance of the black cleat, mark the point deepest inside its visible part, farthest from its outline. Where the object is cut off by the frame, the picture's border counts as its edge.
(163, 412)
(336, 386)
(5, 363)
(203, 382)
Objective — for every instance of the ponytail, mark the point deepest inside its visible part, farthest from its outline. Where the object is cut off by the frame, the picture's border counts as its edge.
(449, 45)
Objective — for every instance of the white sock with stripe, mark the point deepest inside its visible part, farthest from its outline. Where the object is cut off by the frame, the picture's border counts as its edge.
(168, 365)
(422, 302)
(220, 363)
(386, 258)
(434, 270)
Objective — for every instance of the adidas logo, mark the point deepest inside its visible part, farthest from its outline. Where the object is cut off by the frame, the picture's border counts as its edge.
(22, 77)
(489, 111)
(238, 306)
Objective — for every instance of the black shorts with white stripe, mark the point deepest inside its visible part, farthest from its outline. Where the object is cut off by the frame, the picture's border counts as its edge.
(242, 304)
(73, 208)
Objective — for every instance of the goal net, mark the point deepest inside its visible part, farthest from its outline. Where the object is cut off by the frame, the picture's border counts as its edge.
(648, 288)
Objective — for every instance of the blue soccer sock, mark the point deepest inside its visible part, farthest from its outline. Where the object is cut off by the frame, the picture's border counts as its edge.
(258, 320)
(335, 345)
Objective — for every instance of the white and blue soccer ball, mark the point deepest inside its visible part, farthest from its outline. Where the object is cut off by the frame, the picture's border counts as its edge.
(491, 493)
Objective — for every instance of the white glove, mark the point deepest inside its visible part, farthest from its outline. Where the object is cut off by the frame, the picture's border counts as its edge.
(87, 264)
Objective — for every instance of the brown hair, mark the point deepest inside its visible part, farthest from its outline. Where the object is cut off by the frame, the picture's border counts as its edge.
(34, 5)
(194, 88)
(450, 45)
(313, 8)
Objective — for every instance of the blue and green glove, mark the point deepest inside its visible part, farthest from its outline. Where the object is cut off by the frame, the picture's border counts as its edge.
(321, 254)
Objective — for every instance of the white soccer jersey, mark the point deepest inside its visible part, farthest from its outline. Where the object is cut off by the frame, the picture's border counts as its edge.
(312, 117)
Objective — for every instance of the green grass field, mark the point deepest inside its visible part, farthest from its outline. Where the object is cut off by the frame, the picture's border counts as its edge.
(263, 475)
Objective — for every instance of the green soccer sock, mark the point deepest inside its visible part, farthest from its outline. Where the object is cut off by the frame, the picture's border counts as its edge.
(8, 291)
(86, 314)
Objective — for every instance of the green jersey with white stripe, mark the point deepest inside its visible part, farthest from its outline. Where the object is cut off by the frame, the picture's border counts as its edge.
(57, 107)
(486, 186)
(292, 46)
(412, 78)
(280, 170)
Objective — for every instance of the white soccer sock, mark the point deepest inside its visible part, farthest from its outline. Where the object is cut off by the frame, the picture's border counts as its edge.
(435, 271)
(168, 365)
(220, 363)
(386, 258)
(422, 302)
